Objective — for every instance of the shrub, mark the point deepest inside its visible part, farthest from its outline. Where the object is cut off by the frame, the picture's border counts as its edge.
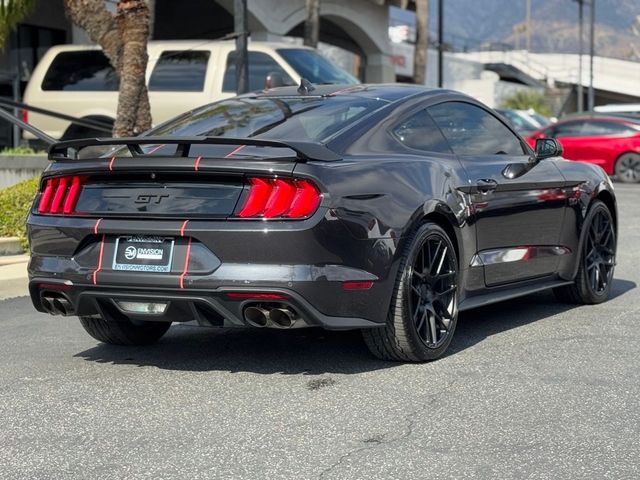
(15, 203)
(524, 100)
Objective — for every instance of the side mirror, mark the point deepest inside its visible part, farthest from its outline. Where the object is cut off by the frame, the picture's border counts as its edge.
(547, 148)
(273, 80)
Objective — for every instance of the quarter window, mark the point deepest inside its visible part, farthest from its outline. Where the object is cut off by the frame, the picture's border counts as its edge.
(471, 130)
(180, 71)
(260, 65)
(422, 133)
(82, 71)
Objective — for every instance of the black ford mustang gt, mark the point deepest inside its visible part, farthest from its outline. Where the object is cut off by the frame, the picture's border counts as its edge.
(386, 208)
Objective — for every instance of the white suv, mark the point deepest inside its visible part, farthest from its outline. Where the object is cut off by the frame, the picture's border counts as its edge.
(181, 75)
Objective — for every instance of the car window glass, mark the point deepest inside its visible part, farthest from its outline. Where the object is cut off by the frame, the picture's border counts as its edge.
(260, 66)
(180, 71)
(471, 130)
(421, 132)
(87, 71)
(568, 129)
(314, 67)
(596, 128)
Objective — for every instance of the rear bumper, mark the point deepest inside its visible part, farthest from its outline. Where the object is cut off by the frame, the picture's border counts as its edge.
(205, 308)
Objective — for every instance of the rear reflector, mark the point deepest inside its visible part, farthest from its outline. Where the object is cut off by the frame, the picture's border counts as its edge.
(256, 296)
(357, 285)
(60, 195)
(280, 198)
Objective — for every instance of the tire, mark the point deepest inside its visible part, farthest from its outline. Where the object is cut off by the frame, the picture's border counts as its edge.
(124, 333)
(627, 168)
(423, 313)
(597, 260)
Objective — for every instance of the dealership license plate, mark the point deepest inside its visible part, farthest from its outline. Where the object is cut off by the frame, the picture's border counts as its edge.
(143, 254)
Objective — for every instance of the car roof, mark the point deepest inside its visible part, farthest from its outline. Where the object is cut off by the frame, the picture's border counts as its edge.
(182, 45)
(390, 92)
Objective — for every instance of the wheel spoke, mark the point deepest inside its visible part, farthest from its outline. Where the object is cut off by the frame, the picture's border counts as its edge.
(432, 328)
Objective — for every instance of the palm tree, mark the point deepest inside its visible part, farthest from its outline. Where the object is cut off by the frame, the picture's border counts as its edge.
(123, 38)
(11, 12)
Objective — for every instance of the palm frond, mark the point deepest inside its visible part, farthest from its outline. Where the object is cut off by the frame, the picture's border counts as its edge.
(11, 13)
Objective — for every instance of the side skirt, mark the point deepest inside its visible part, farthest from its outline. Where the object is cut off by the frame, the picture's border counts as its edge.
(495, 297)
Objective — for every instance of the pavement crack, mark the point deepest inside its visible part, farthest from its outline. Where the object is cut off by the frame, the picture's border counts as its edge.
(377, 440)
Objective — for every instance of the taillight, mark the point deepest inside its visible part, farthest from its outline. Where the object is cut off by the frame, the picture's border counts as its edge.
(60, 195)
(25, 116)
(280, 198)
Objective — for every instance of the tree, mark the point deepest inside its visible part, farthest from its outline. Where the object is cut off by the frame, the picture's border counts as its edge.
(422, 42)
(11, 12)
(123, 38)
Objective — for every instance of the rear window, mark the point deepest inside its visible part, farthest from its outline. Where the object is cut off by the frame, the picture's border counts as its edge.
(287, 118)
(84, 71)
(180, 71)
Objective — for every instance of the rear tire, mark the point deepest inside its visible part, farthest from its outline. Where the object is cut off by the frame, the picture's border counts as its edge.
(597, 260)
(627, 168)
(424, 312)
(124, 333)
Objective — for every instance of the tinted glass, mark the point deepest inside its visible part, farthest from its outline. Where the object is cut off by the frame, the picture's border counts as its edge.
(180, 71)
(314, 67)
(304, 119)
(596, 128)
(87, 71)
(470, 130)
(260, 65)
(568, 129)
(422, 133)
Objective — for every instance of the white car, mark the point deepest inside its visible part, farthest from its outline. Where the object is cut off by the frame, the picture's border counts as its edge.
(181, 75)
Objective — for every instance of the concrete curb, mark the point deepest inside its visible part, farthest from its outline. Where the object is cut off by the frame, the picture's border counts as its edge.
(13, 277)
(10, 246)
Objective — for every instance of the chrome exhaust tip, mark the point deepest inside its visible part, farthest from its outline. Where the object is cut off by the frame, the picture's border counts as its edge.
(256, 316)
(283, 317)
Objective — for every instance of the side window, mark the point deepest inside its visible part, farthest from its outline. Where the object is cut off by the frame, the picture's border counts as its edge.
(568, 129)
(81, 71)
(180, 71)
(260, 65)
(605, 128)
(422, 133)
(471, 130)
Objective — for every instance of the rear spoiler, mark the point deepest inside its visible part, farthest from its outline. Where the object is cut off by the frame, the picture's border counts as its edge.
(68, 149)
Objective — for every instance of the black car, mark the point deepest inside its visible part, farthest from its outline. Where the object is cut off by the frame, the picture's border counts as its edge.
(386, 208)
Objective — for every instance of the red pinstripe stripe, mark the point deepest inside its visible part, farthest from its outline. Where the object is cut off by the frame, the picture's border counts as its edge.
(95, 227)
(186, 264)
(234, 151)
(113, 159)
(197, 165)
(183, 227)
(95, 273)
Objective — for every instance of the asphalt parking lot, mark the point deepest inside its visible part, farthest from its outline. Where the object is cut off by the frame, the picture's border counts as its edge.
(530, 389)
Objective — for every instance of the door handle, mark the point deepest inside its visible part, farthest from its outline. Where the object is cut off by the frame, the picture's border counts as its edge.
(486, 185)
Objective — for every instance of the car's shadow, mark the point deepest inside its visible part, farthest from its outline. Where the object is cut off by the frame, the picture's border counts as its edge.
(313, 352)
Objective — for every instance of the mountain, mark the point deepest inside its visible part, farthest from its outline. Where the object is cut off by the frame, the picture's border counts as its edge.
(475, 23)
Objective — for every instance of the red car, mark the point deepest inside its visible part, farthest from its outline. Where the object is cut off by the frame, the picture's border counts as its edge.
(610, 142)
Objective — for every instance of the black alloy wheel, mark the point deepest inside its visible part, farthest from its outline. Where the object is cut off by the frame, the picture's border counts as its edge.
(597, 259)
(432, 297)
(600, 253)
(424, 305)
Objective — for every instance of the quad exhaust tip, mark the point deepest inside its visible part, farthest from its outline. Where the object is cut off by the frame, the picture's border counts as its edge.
(57, 305)
(277, 317)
